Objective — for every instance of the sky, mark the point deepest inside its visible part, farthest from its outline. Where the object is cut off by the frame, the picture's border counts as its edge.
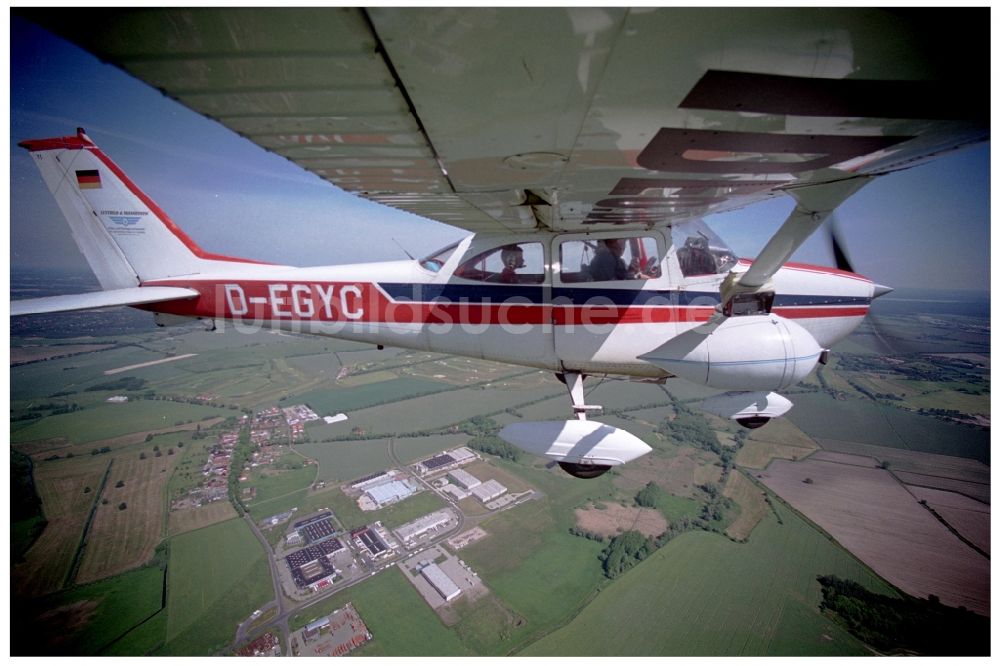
(926, 227)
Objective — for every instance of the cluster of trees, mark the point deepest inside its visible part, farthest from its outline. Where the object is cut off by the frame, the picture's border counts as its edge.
(103, 449)
(650, 496)
(41, 410)
(691, 428)
(121, 384)
(624, 552)
(717, 505)
(495, 446)
(905, 625)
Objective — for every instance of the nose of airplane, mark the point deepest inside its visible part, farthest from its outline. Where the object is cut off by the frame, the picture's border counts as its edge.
(881, 290)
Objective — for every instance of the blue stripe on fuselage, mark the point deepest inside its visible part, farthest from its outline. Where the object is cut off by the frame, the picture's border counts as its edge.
(536, 294)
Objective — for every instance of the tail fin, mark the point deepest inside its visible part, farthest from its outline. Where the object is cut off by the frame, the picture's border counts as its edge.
(125, 237)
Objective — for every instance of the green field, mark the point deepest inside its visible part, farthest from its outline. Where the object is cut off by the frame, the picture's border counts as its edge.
(75, 373)
(329, 401)
(347, 460)
(105, 612)
(703, 594)
(278, 482)
(218, 575)
(113, 420)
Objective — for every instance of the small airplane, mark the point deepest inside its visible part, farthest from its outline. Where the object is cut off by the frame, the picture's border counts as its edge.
(589, 255)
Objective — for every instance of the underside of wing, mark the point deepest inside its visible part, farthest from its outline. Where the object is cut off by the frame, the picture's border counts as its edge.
(566, 118)
(99, 299)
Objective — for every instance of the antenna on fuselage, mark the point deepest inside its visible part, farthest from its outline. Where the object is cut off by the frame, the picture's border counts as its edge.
(403, 249)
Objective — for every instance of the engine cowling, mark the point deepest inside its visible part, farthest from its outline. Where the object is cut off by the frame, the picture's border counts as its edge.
(751, 353)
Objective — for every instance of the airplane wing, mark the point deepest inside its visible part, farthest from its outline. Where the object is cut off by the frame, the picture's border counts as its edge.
(566, 118)
(99, 299)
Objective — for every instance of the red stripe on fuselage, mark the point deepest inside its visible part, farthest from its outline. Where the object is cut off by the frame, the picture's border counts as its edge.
(364, 302)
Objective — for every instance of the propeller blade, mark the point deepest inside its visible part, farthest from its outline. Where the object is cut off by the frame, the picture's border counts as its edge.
(837, 245)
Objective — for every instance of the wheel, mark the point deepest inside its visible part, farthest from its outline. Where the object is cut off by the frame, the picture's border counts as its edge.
(753, 422)
(581, 471)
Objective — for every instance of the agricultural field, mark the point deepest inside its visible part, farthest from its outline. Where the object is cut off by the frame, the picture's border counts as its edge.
(187, 520)
(68, 489)
(703, 594)
(873, 515)
(217, 576)
(329, 401)
(93, 619)
(114, 420)
(608, 520)
(129, 520)
(750, 499)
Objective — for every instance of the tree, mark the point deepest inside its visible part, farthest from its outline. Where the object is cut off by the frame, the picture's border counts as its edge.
(120, 484)
(142, 455)
(649, 496)
(122, 506)
(149, 437)
(86, 490)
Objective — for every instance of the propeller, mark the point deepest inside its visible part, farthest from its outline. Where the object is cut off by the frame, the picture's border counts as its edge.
(886, 341)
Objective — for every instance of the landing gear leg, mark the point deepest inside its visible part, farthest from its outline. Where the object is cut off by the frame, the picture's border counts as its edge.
(574, 383)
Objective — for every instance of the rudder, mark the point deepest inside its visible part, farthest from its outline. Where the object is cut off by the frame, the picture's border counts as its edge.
(125, 237)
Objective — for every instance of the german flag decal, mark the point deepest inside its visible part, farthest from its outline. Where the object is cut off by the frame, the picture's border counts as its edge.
(88, 180)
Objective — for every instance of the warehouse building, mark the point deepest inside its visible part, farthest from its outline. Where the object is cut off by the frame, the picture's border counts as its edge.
(423, 525)
(439, 580)
(489, 490)
(389, 493)
(464, 479)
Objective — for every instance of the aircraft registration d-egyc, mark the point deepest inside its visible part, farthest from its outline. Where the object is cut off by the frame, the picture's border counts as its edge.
(582, 147)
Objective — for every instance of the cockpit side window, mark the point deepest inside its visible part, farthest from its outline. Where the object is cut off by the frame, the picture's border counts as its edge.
(700, 251)
(514, 263)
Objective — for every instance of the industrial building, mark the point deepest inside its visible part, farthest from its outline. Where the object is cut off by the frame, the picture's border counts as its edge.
(439, 580)
(311, 566)
(421, 526)
(454, 491)
(489, 490)
(388, 493)
(462, 454)
(371, 480)
(369, 539)
(464, 479)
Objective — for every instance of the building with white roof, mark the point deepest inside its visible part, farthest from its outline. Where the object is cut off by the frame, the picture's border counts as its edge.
(464, 479)
(439, 580)
(387, 493)
(489, 490)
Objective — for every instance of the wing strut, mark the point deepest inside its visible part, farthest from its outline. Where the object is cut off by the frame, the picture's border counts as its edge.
(816, 199)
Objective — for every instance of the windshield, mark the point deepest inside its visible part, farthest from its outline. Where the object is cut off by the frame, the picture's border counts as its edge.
(435, 261)
(700, 251)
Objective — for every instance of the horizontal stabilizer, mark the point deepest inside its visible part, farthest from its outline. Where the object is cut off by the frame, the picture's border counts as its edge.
(100, 299)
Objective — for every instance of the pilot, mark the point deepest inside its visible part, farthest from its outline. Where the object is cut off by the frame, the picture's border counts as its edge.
(609, 265)
(512, 258)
